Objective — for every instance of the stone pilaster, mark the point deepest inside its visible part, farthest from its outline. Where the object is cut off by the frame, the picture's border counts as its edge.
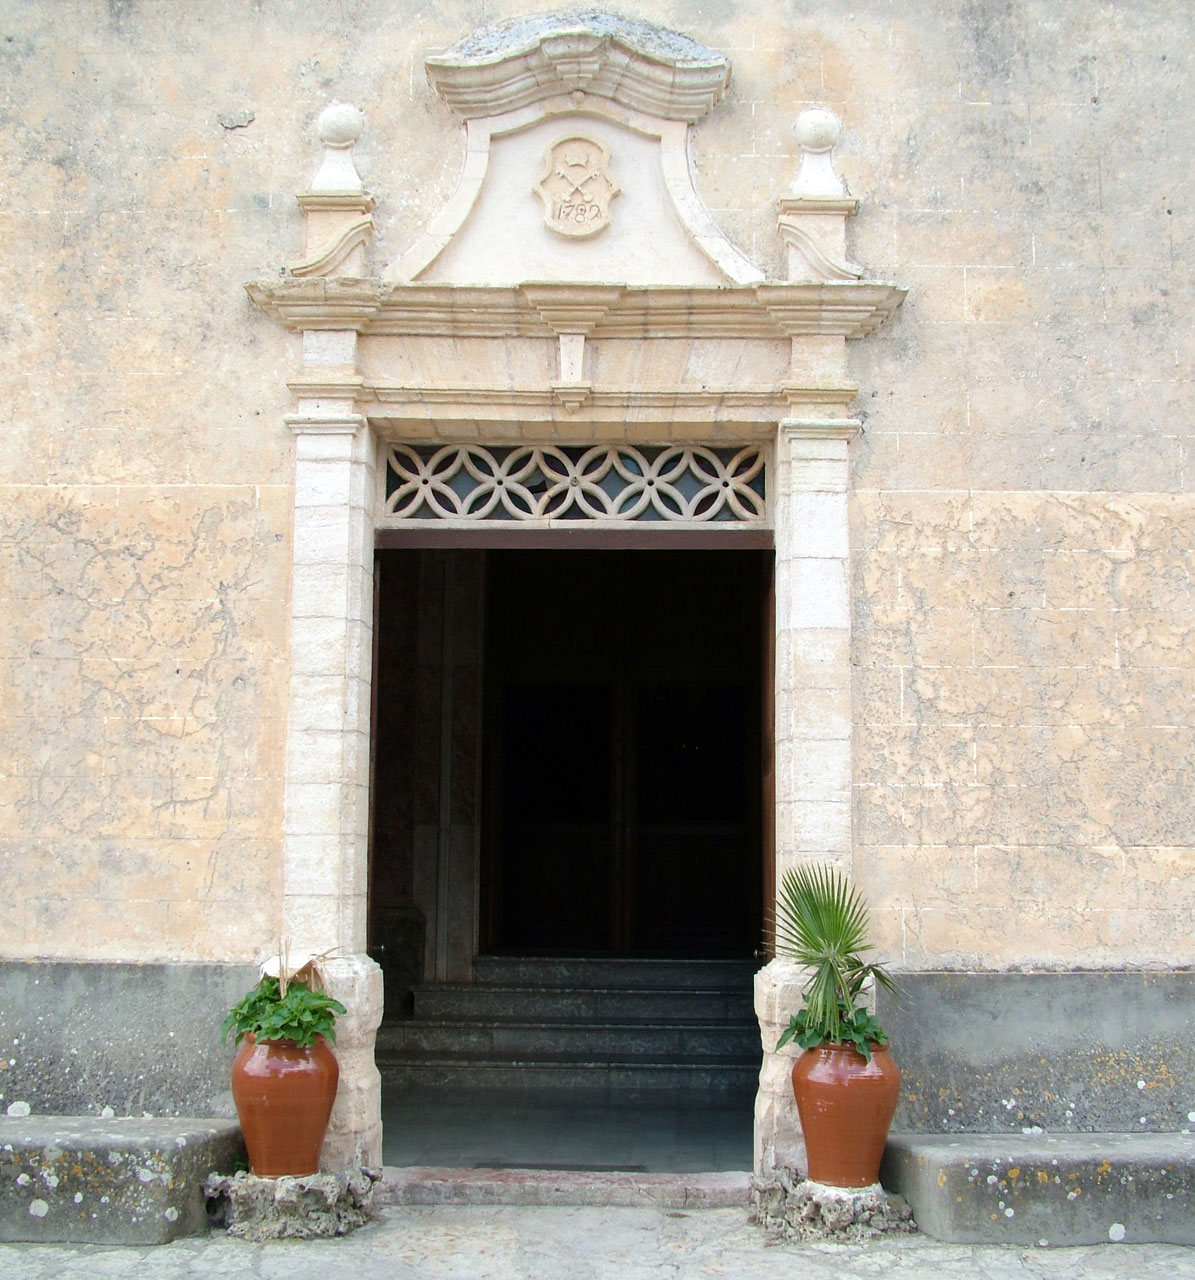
(813, 722)
(327, 751)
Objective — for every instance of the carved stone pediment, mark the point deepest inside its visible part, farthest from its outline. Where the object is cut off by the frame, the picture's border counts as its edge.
(576, 263)
(641, 67)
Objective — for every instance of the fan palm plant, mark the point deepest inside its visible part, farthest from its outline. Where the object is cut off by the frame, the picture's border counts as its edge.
(821, 923)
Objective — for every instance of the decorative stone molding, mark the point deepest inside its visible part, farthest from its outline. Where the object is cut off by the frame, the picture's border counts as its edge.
(548, 484)
(715, 259)
(619, 83)
(817, 132)
(813, 215)
(640, 66)
(577, 187)
(847, 309)
(806, 258)
(337, 208)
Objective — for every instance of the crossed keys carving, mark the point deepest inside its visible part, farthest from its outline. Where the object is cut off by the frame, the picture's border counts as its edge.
(577, 186)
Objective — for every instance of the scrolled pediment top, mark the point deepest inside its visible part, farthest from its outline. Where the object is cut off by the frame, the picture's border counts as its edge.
(641, 66)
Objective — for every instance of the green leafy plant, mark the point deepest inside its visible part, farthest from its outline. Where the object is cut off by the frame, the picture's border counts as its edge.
(821, 923)
(273, 1012)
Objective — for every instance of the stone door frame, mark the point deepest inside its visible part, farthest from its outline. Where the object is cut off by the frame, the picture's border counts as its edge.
(326, 841)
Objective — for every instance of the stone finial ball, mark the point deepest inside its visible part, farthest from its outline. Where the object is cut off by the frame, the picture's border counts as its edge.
(340, 125)
(817, 129)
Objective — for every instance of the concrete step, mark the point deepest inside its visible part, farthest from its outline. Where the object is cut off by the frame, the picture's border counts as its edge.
(568, 1041)
(1038, 1189)
(615, 972)
(620, 1083)
(459, 1001)
(130, 1181)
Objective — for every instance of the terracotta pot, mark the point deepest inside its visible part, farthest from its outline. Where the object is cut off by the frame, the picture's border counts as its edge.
(846, 1105)
(284, 1095)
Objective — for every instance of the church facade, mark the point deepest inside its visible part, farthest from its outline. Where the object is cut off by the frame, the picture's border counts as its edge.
(812, 382)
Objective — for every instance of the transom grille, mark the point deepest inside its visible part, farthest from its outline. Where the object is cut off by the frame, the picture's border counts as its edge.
(690, 484)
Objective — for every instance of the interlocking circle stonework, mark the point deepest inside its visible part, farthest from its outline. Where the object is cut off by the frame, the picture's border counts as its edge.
(681, 484)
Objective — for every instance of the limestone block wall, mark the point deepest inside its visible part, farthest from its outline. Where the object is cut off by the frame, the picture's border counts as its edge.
(1021, 520)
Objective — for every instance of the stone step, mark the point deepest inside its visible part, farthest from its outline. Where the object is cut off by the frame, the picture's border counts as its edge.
(566, 1041)
(89, 1180)
(615, 972)
(459, 1001)
(688, 1191)
(1038, 1189)
(620, 1083)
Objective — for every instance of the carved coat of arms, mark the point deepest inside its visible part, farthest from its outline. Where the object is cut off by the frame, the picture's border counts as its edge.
(577, 186)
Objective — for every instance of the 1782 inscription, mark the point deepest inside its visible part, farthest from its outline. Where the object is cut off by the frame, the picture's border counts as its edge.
(577, 186)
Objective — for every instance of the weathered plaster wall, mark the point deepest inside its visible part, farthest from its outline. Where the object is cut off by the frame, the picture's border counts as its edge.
(1023, 528)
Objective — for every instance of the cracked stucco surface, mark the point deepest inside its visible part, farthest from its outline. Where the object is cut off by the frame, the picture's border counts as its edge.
(1022, 518)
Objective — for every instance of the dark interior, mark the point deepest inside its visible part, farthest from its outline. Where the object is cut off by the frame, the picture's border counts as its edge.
(621, 752)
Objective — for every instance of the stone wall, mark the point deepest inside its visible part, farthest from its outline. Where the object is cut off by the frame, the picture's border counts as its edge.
(1021, 521)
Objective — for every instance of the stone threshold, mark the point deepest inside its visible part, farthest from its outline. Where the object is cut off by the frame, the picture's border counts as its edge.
(566, 1187)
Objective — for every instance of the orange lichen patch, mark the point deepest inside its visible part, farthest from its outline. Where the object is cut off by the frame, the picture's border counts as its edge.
(941, 1177)
(1104, 1167)
(1014, 1173)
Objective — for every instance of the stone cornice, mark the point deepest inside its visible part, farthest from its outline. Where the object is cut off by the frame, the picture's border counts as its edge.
(742, 412)
(847, 309)
(634, 63)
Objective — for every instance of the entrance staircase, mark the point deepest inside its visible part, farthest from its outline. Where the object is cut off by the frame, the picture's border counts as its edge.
(631, 1029)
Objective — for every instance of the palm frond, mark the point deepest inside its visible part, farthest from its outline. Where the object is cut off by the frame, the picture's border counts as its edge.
(821, 922)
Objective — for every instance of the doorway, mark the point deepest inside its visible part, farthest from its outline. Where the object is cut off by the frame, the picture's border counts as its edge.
(622, 753)
(568, 849)
(569, 752)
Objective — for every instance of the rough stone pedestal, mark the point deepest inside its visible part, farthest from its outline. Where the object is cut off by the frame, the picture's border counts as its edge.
(307, 1208)
(797, 1210)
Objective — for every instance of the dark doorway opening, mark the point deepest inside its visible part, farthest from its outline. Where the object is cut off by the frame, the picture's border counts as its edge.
(622, 752)
(569, 836)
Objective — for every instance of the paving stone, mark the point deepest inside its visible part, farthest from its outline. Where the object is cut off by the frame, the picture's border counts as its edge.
(464, 1242)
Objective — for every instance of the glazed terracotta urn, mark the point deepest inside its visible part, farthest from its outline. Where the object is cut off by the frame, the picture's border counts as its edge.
(284, 1095)
(846, 1104)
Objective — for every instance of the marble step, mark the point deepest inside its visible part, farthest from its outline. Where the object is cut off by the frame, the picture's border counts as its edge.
(615, 972)
(618, 1083)
(459, 1001)
(595, 1041)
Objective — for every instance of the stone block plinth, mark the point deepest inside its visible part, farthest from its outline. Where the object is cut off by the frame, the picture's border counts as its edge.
(90, 1180)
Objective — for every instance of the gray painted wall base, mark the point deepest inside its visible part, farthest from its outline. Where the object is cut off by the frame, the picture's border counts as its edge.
(83, 1180)
(1101, 1051)
(129, 1038)
(1042, 1189)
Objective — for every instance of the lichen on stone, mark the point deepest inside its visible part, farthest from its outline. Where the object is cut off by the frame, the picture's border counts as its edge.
(313, 1206)
(796, 1210)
